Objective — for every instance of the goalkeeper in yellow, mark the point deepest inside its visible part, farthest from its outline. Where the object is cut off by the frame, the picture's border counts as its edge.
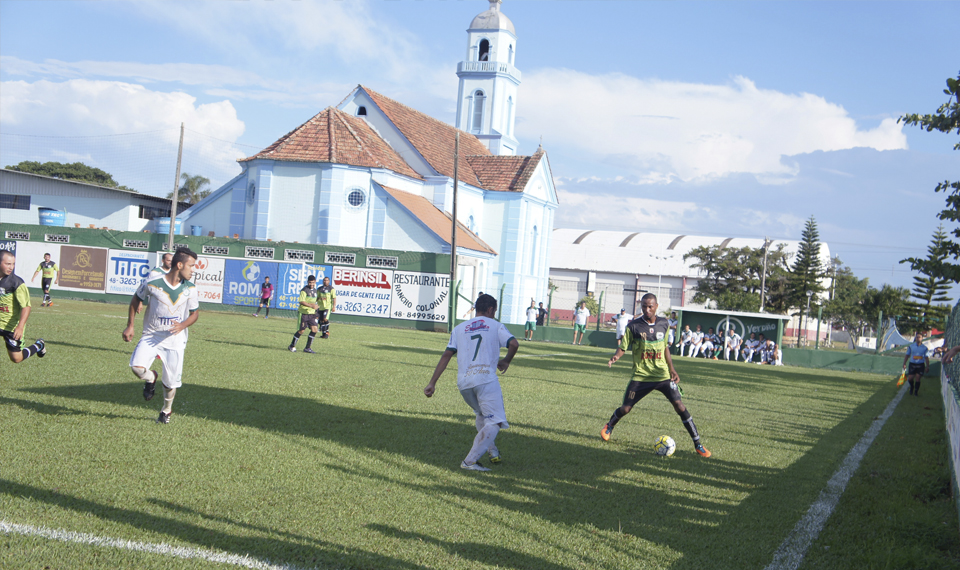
(51, 274)
(14, 311)
(647, 337)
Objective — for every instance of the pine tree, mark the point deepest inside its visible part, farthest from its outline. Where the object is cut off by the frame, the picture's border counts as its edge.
(807, 271)
(930, 287)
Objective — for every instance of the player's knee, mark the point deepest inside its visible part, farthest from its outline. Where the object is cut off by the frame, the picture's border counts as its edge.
(15, 356)
(142, 373)
(625, 409)
(679, 407)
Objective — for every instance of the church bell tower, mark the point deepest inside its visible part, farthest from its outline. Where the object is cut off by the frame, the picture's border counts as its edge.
(489, 81)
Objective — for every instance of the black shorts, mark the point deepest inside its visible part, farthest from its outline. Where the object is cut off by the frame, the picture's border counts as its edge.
(265, 303)
(322, 315)
(916, 369)
(308, 321)
(11, 344)
(637, 390)
(45, 283)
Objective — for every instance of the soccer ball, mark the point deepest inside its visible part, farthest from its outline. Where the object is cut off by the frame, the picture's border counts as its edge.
(665, 446)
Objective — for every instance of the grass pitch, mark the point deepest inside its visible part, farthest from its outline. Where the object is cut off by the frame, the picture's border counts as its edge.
(337, 460)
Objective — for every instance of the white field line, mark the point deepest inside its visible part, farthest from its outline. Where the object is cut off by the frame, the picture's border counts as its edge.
(421, 347)
(794, 547)
(154, 548)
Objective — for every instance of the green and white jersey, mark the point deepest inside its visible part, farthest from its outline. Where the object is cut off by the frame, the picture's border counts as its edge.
(168, 305)
(14, 296)
(307, 295)
(326, 297)
(477, 343)
(648, 343)
(48, 269)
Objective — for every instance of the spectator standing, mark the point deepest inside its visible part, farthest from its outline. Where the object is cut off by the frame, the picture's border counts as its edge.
(531, 324)
(580, 322)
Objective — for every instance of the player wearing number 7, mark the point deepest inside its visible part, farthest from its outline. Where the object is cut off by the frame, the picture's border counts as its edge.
(477, 344)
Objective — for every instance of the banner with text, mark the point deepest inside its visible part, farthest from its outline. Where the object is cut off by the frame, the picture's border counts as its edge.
(83, 268)
(208, 277)
(292, 277)
(242, 279)
(420, 296)
(363, 292)
(126, 270)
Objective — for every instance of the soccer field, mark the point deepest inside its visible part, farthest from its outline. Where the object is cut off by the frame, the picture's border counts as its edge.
(337, 460)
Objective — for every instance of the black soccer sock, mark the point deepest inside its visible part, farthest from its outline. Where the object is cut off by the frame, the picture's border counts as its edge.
(30, 351)
(310, 338)
(325, 328)
(268, 311)
(617, 415)
(910, 382)
(691, 427)
(296, 337)
(916, 388)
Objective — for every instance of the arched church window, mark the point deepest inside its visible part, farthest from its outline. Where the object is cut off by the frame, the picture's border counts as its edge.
(361, 111)
(478, 100)
(510, 54)
(510, 116)
(484, 54)
(532, 251)
(471, 224)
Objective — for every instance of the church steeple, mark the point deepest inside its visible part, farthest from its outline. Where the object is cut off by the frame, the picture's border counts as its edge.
(489, 81)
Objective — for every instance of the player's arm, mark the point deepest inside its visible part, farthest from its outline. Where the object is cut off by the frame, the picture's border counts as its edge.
(333, 302)
(135, 304)
(906, 357)
(616, 356)
(35, 273)
(948, 355)
(56, 268)
(512, 348)
(441, 366)
(182, 325)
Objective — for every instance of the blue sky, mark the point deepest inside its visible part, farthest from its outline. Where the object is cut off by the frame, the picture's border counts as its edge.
(717, 118)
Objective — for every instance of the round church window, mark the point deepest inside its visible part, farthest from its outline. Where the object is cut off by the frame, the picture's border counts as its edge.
(356, 198)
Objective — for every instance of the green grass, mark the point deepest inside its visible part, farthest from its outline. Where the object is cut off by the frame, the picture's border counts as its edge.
(337, 460)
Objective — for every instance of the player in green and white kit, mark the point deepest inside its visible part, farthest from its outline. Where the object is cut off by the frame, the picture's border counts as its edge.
(14, 311)
(653, 369)
(326, 304)
(173, 307)
(308, 315)
(477, 344)
(50, 273)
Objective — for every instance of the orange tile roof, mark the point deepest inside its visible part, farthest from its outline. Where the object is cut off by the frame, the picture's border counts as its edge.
(437, 220)
(505, 173)
(336, 137)
(434, 139)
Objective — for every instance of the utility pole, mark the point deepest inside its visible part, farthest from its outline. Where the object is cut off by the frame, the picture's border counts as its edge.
(453, 235)
(176, 193)
(763, 276)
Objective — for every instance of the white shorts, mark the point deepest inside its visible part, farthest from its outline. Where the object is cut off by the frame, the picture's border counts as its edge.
(487, 401)
(147, 351)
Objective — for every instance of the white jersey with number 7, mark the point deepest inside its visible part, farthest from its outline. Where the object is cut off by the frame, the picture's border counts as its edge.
(477, 343)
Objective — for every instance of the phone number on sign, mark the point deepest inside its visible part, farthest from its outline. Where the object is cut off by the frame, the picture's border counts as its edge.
(209, 295)
(422, 316)
(125, 280)
(362, 309)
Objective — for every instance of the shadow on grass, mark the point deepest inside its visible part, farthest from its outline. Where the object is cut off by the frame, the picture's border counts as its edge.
(296, 550)
(565, 483)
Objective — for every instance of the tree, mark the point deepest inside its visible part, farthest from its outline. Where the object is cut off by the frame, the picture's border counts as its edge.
(945, 120)
(592, 306)
(733, 276)
(75, 171)
(192, 191)
(929, 287)
(856, 305)
(807, 272)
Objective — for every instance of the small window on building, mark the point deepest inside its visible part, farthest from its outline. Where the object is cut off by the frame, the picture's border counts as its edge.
(510, 55)
(484, 54)
(362, 111)
(478, 100)
(151, 212)
(14, 202)
(356, 198)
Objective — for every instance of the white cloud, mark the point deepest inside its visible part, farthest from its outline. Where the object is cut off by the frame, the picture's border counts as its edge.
(125, 129)
(685, 131)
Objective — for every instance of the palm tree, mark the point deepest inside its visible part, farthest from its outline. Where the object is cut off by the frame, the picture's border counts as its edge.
(192, 190)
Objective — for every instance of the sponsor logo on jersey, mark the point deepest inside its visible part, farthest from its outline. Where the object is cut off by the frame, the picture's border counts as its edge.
(475, 326)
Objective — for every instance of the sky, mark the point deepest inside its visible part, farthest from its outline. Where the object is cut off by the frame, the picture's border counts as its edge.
(729, 119)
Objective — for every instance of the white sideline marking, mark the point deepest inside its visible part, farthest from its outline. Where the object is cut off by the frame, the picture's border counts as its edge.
(542, 355)
(794, 547)
(155, 548)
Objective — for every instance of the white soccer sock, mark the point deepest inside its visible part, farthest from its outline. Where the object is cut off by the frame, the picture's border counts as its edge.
(168, 395)
(483, 442)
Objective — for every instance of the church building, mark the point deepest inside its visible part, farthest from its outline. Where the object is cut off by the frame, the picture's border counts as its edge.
(372, 172)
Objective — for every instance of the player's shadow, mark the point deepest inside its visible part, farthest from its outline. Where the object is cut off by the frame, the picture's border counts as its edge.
(295, 550)
(53, 344)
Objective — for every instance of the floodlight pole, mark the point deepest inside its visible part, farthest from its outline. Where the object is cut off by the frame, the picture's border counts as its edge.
(453, 234)
(763, 276)
(176, 193)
